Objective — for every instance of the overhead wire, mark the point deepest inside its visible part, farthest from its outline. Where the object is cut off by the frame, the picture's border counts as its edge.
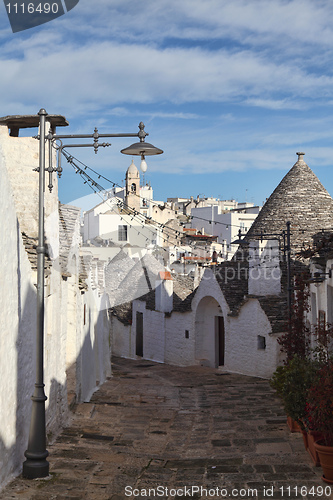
(142, 219)
(128, 211)
(115, 184)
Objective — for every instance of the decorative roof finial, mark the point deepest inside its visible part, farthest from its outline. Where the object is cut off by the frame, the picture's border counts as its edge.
(300, 156)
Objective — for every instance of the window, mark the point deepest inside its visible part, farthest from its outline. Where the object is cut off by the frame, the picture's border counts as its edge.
(122, 233)
(187, 334)
(261, 342)
(133, 187)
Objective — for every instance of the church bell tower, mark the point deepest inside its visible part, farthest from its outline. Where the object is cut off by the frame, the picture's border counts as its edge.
(133, 187)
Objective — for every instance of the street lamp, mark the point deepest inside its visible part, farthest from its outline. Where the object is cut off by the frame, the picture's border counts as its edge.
(36, 464)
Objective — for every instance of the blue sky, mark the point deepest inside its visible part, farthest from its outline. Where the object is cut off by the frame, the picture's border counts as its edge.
(229, 89)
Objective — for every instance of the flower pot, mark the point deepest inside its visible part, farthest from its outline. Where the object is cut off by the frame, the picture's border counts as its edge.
(314, 436)
(325, 454)
(293, 425)
(305, 438)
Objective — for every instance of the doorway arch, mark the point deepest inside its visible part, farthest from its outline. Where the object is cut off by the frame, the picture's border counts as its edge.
(209, 333)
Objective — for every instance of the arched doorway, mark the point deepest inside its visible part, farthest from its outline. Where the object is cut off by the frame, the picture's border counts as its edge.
(209, 333)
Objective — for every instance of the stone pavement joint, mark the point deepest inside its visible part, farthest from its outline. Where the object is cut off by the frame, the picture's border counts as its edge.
(164, 428)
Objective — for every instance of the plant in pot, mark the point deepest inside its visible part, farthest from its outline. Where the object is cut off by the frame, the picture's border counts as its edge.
(292, 382)
(319, 416)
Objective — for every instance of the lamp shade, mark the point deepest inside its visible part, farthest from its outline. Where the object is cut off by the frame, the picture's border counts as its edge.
(141, 148)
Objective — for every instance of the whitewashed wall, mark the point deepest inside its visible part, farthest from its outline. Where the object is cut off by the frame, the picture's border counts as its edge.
(164, 336)
(121, 339)
(180, 350)
(243, 355)
(66, 340)
(93, 364)
(207, 303)
(17, 339)
(20, 156)
(153, 332)
(264, 268)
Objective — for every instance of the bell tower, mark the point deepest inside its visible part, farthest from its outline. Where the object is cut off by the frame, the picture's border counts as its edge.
(133, 187)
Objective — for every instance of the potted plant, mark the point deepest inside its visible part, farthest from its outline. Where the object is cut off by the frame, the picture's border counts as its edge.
(292, 382)
(319, 415)
(277, 382)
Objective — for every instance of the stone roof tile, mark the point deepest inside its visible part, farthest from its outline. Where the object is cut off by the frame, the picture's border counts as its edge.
(299, 198)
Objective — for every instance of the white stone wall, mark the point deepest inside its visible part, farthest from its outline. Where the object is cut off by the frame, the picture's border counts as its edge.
(207, 304)
(180, 350)
(242, 353)
(153, 332)
(18, 341)
(55, 334)
(90, 225)
(93, 364)
(165, 339)
(66, 339)
(241, 333)
(20, 156)
(264, 268)
(164, 293)
(121, 339)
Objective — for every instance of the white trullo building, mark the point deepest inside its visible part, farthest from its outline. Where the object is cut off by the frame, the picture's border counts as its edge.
(232, 320)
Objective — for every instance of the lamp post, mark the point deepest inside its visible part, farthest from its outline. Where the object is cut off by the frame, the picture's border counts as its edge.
(36, 465)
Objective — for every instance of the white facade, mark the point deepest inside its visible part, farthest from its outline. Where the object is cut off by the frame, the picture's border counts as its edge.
(118, 228)
(207, 334)
(224, 224)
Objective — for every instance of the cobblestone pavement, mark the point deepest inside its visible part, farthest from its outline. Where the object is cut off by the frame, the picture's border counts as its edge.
(176, 430)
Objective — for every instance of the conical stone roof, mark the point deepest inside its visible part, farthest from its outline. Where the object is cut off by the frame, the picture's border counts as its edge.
(299, 198)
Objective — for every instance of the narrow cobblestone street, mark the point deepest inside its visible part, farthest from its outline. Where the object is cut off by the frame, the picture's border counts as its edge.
(153, 425)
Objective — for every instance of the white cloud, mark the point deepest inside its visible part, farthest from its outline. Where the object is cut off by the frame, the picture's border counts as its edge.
(93, 76)
(210, 19)
(121, 111)
(225, 83)
(276, 104)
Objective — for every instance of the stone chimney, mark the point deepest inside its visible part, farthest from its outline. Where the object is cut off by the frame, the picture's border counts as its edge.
(300, 156)
(164, 292)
